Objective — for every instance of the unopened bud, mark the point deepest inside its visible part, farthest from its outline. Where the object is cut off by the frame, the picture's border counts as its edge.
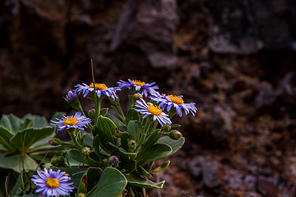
(73, 100)
(81, 195)
(113, 160)
(57, 161)
(92, 113)
(85, 151)
(54, 141)
(138, 96)
(132, 144)
(166, 128)
(175, 135)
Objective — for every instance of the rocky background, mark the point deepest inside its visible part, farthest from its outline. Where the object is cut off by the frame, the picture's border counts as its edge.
(234, 58)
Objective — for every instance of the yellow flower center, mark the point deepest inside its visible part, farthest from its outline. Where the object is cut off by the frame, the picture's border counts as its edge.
(176, 99)
(98, 86)
(138, 82)
(154, 110)
(52, 183)
(70, 120)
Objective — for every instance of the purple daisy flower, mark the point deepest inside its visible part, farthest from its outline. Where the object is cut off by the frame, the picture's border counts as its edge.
(155, 111)
(138, 85)
(100, 89)
(52, 183)
(76, 121)
(169, 101)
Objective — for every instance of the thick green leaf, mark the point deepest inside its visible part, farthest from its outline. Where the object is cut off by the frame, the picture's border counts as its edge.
(131, 114)
(104, 111)
(124, 136)
(11, 122)
(39, 121)
(5, 136)
(19, 186)
(30, 136)
(156, 152)
(76, 155)
(121, 151)
(28, 123)
(162, 167)
(106, 129)
(112, 182)
(133, 130)
(82, 188)
(151, 140)
(88, 140)
(93, 176)
(15, 162)
(138, 181)
(128, 164)
(174, 144)
(117, 122)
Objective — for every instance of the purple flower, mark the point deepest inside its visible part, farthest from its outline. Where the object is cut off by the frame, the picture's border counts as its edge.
(100, 89)
(52, 183)
(138, 85)
(76, 121)
(153, 110)
(169, 101)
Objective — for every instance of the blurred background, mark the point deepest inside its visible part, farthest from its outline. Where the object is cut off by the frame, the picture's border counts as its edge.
(234, 58)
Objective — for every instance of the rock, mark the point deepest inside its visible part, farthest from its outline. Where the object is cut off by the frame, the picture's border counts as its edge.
(266, 96)
(267, 188)
(221, 125)
(210, 175)
(287, 89)
(144, 36)
(195, 165)
(247, 26)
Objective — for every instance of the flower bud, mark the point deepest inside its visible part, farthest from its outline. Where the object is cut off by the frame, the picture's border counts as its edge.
(92, 113)
(73, 100)
(175, 135)
(54, 141)
(85, 151)
(138, 96)
(132, 144)
(81, 195)
(113, 160)
(57, 161)
(166, 128)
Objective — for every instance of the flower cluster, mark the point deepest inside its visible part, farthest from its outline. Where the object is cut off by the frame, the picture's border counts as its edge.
(123, 140)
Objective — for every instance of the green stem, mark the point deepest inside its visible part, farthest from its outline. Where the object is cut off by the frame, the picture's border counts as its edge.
(74, 139)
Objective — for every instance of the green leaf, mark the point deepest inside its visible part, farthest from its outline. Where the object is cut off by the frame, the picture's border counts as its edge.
(112, 182)
(93, 176)
(117, 122)
(30, 136)
(138, 181)
(5, 136)
(131, 114)
(162, 167)
(151, 140)
(121, 151)
(39, 121)
(128, 164)
(106, 129)
(15, 162)
(174, 144)
(104, 111)
(82, 188)
(28, 123)
(156, 152)
(76, 155)
(19, 186)
(133, 130)
(11, 122)
(88, 140)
